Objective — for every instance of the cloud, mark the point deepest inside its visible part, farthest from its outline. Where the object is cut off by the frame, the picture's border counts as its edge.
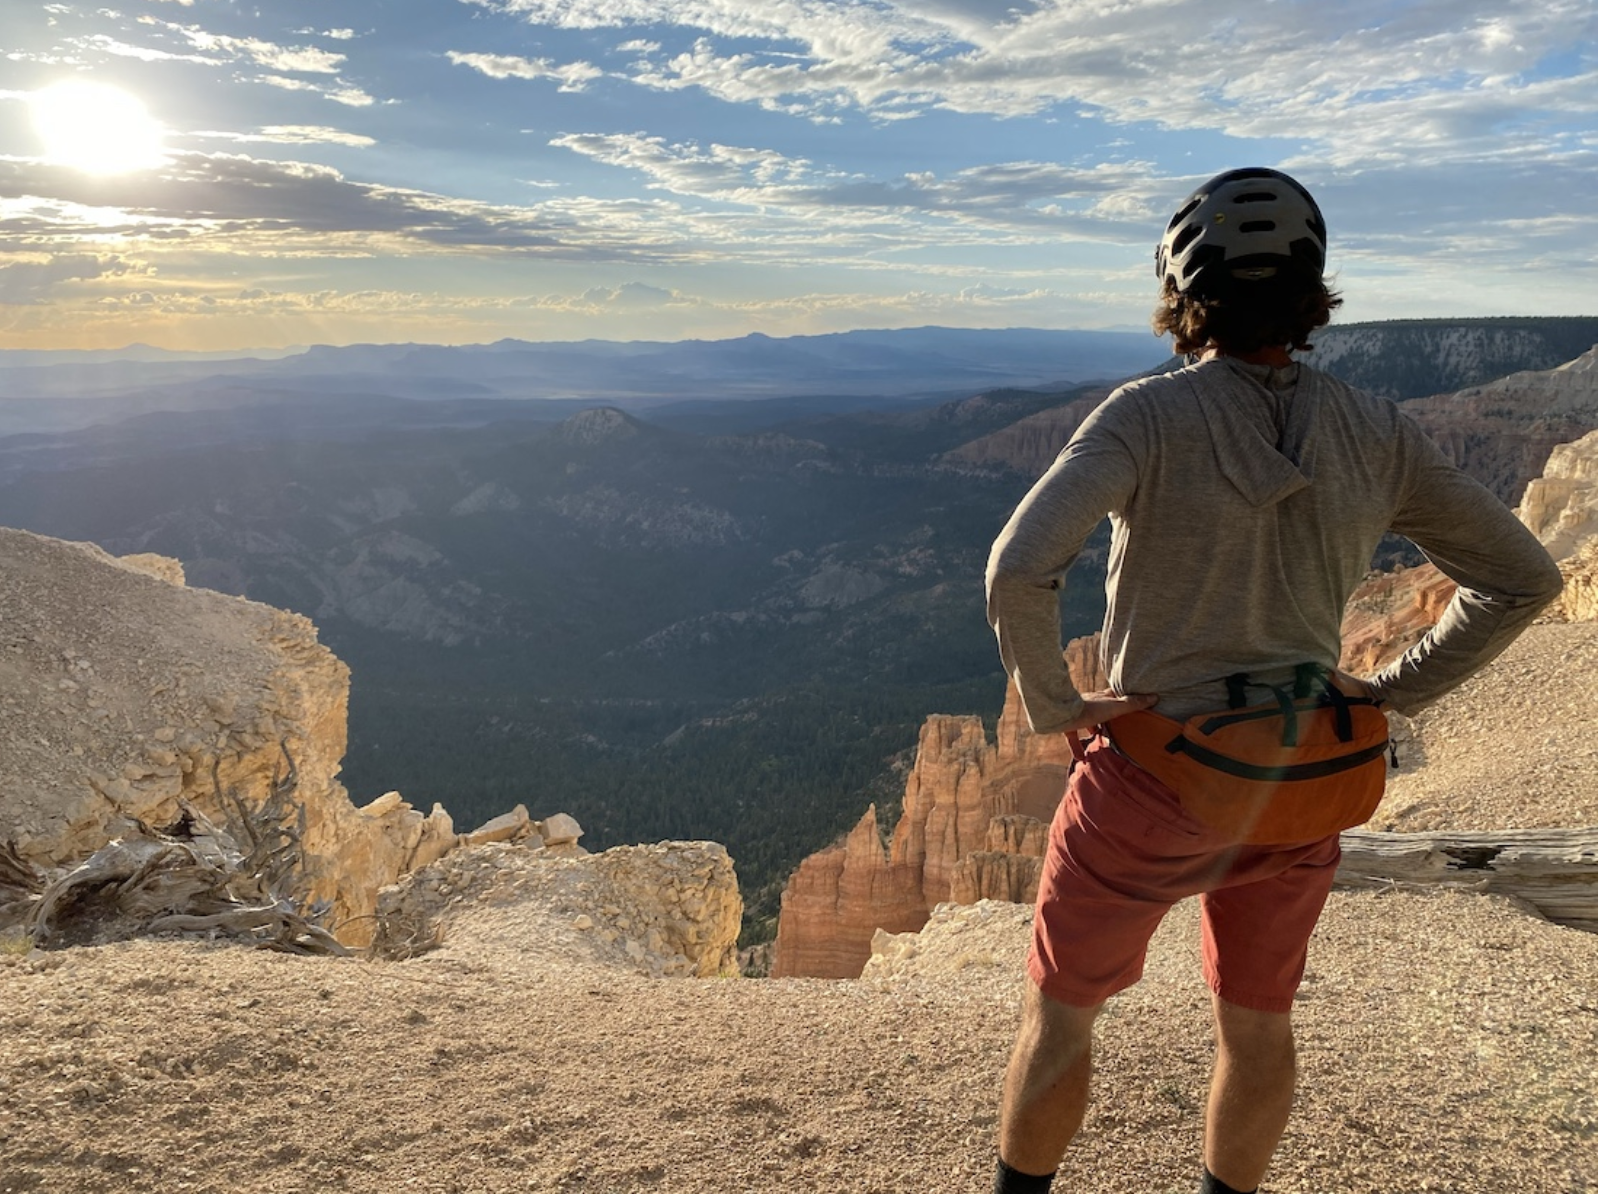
(300, 59)
(268, 208)
(350, 97)
(573, 76)
(293, 134)
(1101, 202)
(1363, 80)
(631, 296)
(122, 49)
(25, 282)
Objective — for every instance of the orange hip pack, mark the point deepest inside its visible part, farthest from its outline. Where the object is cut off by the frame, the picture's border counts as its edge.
(1298, 769)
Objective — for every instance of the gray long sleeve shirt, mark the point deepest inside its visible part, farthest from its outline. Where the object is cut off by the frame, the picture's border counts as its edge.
(1245, 504)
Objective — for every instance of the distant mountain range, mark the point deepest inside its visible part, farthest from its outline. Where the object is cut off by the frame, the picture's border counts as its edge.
(45, 392)
(856, 366)
(718, 616)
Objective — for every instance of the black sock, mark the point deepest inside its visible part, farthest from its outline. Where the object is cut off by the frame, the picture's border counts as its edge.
(1212, 1184)
(1012, 1181)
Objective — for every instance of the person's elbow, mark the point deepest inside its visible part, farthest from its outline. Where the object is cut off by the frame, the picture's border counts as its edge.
(1009, 572)
(1550, 581)
(1540, 584)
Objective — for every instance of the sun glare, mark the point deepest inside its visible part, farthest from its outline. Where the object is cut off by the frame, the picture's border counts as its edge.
(95, 127)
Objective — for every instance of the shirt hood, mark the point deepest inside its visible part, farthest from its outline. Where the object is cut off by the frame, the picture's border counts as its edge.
(1243, 405)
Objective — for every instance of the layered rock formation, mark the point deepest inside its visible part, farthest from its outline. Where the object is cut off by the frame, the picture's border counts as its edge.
(1503, 433)
(968, 808)
(1389, 613)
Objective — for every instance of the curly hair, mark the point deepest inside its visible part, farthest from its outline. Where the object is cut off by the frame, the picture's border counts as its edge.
(1243, 317)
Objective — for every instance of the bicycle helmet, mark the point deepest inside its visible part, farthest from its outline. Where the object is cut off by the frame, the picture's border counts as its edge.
(1247, 222)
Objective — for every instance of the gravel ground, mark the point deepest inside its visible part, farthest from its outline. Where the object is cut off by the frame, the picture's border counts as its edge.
(1515, 748)
(1447, 1044)
(1447, 1041)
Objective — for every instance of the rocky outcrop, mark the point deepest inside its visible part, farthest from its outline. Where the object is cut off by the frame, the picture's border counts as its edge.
(987, 935)
(1560, 507)
(1577, 602)
(972, 822)
(668, 910)
(1009, 865)
(125, 698)
(1389, 613)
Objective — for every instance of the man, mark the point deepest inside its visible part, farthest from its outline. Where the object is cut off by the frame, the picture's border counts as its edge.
(1247, 493)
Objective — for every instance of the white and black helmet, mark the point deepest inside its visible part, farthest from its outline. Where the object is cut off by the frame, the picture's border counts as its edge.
(1247, 221)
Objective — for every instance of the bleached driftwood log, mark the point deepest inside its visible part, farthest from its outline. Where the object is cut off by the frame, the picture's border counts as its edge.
(1553, 870)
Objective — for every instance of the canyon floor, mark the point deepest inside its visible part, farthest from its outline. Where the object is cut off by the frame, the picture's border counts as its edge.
(1447, 1042)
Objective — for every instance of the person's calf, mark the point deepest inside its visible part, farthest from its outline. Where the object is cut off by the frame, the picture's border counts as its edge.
(1252, 1091)
(1046, 1085)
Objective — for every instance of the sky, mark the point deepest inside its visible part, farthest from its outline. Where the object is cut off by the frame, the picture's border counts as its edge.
(218, 175)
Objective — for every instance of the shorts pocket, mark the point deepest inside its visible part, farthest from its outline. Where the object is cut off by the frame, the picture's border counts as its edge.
(1131, 799)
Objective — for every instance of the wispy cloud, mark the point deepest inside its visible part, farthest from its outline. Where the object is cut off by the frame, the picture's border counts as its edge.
(291, 134)
(573, 76)
(350, 97)
(1102, 202)
(306, 59)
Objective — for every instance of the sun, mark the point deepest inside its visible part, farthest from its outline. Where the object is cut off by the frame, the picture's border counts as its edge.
(96, 128)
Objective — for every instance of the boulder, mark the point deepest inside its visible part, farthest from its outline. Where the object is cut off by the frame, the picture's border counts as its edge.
(667, 910)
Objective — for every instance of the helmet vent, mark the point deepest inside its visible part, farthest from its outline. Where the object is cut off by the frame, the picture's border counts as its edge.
(1256, 197)
(1258, 226)
(1183, 212)
(1185, 239)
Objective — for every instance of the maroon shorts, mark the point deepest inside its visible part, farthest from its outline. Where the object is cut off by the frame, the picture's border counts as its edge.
(1122, 852)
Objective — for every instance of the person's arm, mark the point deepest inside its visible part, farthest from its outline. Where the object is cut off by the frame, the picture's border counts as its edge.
(1095, 474)
(1503, 573)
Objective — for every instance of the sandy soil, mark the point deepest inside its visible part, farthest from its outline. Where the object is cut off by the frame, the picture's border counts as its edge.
(1448, 1042)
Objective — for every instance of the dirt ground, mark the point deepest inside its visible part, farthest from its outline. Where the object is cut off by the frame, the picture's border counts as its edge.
(1447, 1043)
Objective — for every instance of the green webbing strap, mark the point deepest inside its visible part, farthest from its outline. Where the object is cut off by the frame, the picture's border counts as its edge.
(1304, 675)
(1342, 724)
(1236, 685)
(1291, 724)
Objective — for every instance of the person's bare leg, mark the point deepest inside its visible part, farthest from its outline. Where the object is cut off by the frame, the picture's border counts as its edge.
(1252, 1089)
(1047, 1083)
